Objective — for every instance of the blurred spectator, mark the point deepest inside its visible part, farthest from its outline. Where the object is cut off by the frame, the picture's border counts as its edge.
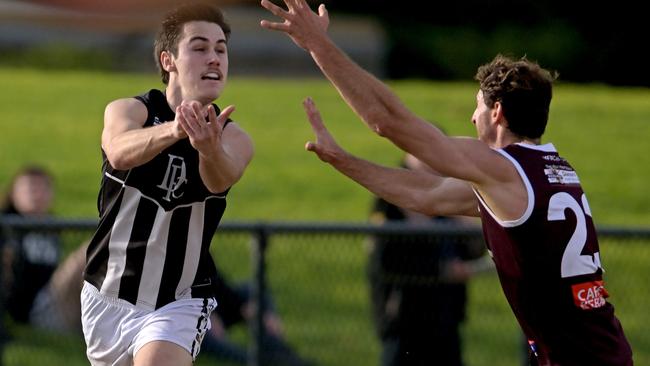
(28, 258)
(418, 287)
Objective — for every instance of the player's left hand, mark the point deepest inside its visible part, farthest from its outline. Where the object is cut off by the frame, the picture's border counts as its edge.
(204, 136)
(325, 146)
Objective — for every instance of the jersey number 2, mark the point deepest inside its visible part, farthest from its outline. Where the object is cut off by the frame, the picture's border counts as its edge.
(573, 262)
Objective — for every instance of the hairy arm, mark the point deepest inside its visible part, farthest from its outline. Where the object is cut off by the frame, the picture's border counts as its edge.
(373, 101)
(126, 143)
(382, 111)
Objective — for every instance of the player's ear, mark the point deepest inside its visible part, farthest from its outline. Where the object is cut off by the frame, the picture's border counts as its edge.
(167, 61)
(497, 112)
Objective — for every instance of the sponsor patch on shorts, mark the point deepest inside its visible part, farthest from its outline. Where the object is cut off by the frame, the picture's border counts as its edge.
(589, 295)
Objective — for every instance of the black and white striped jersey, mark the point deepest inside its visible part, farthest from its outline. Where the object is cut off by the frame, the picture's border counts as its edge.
(156, 223)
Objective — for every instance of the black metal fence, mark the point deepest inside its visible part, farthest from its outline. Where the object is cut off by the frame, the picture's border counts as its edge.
(318, 274)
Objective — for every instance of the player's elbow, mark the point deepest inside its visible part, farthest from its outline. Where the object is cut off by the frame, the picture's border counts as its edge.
(420, 201)
(381, 124)
(221, 183)
(219, 187)
(386, 122)
(117, 161)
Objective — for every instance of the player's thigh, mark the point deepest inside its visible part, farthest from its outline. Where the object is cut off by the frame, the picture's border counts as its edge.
(162, 353)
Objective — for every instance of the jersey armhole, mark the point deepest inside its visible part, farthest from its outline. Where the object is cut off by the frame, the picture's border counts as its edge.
(529, 191)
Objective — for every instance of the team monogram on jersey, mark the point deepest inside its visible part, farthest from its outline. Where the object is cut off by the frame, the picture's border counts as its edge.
(175, 177)
(589, 295)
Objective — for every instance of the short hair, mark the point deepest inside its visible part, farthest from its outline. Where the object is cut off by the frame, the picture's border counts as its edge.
(524, 90)
(172, 28)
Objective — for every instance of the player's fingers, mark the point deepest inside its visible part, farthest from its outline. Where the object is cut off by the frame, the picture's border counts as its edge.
(311, 146)
(297, 4)
(220, 121)
(313, 115)
(274, 9)
(182, 122)
(322, 11)
(318, 150)
(283, 27)
(197, 112)
(188, 120)
(225, 114)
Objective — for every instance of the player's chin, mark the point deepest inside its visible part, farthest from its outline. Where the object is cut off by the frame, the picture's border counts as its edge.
(211, 93)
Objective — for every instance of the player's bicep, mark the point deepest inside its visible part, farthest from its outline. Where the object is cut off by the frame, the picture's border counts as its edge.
(451, 197)
(121, 116)
(238, 145)
(479, 164)
(432, 194)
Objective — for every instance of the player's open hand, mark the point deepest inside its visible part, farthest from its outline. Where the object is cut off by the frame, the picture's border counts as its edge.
(204, 135)
(301, 24)
(325, 146)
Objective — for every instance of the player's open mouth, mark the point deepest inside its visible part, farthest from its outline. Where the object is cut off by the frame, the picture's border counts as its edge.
(211, 76)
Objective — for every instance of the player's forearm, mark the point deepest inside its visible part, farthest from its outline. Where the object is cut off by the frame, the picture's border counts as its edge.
(138, 146)
(218, 171)
(395, 185)
(370, 98)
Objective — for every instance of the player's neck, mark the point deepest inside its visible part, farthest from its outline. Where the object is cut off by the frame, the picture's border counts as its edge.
(174, 96)
(505, 137)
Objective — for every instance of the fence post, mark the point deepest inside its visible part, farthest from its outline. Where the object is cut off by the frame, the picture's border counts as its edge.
(258, 293)
(7, 237)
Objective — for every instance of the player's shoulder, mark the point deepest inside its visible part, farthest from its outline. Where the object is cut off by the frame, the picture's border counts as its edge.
(126, 106)
(139, 101)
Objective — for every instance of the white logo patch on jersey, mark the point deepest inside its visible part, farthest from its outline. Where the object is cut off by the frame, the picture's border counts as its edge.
(175, 177)
(561, 174)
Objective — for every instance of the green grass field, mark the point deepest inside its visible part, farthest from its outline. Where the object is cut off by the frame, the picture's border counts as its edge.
(54, 118)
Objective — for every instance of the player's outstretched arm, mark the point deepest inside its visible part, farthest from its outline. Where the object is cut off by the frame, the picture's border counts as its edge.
(371, 99)
(415, 190)
(126, 143)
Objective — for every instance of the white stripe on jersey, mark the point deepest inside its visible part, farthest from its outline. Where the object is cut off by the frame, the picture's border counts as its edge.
(154, 260)
(192, 251)
(120, 235)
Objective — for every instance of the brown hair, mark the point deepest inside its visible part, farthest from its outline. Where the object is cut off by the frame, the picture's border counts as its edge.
(524, 90)
(172, 28)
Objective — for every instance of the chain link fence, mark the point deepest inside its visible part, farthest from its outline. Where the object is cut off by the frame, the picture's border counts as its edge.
(318, 277)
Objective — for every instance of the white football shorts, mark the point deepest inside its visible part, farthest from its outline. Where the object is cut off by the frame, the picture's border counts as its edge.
(115, 329)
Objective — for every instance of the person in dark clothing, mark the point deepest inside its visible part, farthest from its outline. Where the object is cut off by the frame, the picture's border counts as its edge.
(29, 258)
(418, 287)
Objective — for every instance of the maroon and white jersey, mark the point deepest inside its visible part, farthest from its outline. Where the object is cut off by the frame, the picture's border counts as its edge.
(549, 265)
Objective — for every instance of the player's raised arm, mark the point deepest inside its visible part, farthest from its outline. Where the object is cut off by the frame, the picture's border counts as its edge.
(466, 159)
(373, 101)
